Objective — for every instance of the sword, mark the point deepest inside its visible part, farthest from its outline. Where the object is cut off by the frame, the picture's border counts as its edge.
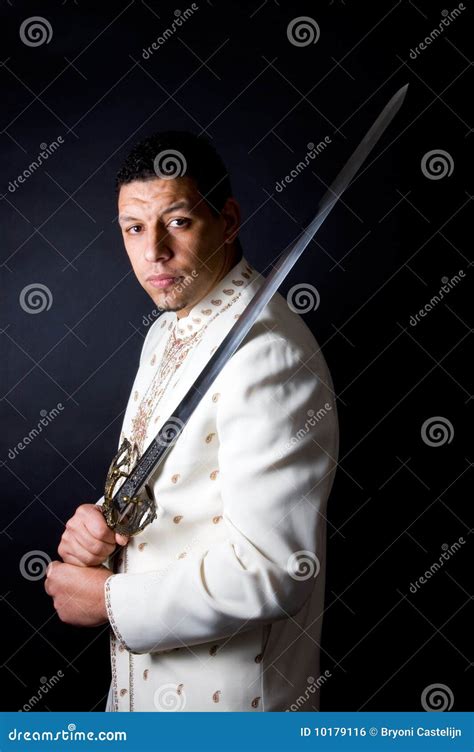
(129, 508)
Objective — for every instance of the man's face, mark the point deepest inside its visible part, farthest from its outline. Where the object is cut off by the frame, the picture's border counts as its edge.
(177, 247)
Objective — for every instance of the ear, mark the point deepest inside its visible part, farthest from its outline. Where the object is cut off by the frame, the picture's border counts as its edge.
(231, 216)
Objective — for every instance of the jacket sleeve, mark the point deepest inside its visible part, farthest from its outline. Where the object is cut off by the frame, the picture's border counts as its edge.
(278, 440)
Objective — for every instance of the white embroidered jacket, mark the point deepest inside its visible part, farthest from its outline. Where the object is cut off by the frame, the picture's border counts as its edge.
(218, 604)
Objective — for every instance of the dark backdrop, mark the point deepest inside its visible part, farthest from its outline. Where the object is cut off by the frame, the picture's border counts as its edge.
(232, 72)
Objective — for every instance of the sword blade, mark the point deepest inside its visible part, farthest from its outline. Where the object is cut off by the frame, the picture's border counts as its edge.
(162, 443)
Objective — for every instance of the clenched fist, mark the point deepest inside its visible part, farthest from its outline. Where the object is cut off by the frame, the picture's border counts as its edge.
(87, 540)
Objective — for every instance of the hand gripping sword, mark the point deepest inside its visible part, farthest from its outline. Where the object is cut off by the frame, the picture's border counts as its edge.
(129, 505)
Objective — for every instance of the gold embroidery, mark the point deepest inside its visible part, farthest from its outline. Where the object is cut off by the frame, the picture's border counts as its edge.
(255, 702)
(178, 518)
(142, 545)
(237, 282)
(213, 475)
(206, 311)
(176, 351)
(145, 674)
(217, 519)
(175, 478)
(216, 695)
(135, 396)
(153, 360)
(229, 292)
(216, 301)
(209, 437)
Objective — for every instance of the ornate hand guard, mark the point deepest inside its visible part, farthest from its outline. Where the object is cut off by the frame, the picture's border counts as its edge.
(135, 513)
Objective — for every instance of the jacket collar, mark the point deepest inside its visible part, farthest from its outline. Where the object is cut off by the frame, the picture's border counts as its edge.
(219, 298)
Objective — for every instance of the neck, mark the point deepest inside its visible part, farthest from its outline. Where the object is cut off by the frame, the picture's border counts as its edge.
(231, 257)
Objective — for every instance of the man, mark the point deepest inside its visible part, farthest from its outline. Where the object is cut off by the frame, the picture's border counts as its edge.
(217, 605)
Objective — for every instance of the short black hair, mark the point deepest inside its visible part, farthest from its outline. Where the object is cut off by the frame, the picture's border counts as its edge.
(169, 154)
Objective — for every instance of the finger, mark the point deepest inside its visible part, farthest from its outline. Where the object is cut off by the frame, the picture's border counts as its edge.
(95, 524)
(71, 559)
(122, 540)
(90, 555)
(86, 541)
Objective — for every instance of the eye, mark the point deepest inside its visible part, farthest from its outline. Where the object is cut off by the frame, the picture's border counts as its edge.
(184, 222)
(134, 229)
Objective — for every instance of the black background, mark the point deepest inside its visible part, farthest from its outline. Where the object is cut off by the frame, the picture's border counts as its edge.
(231, 72)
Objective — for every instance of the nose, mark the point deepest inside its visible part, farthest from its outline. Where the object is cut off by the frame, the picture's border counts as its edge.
(157, 244)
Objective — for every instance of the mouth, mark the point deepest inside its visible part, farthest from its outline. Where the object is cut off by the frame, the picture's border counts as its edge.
(163, 281)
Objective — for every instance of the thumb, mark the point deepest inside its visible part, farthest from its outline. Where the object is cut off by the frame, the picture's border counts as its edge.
(122, 540)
